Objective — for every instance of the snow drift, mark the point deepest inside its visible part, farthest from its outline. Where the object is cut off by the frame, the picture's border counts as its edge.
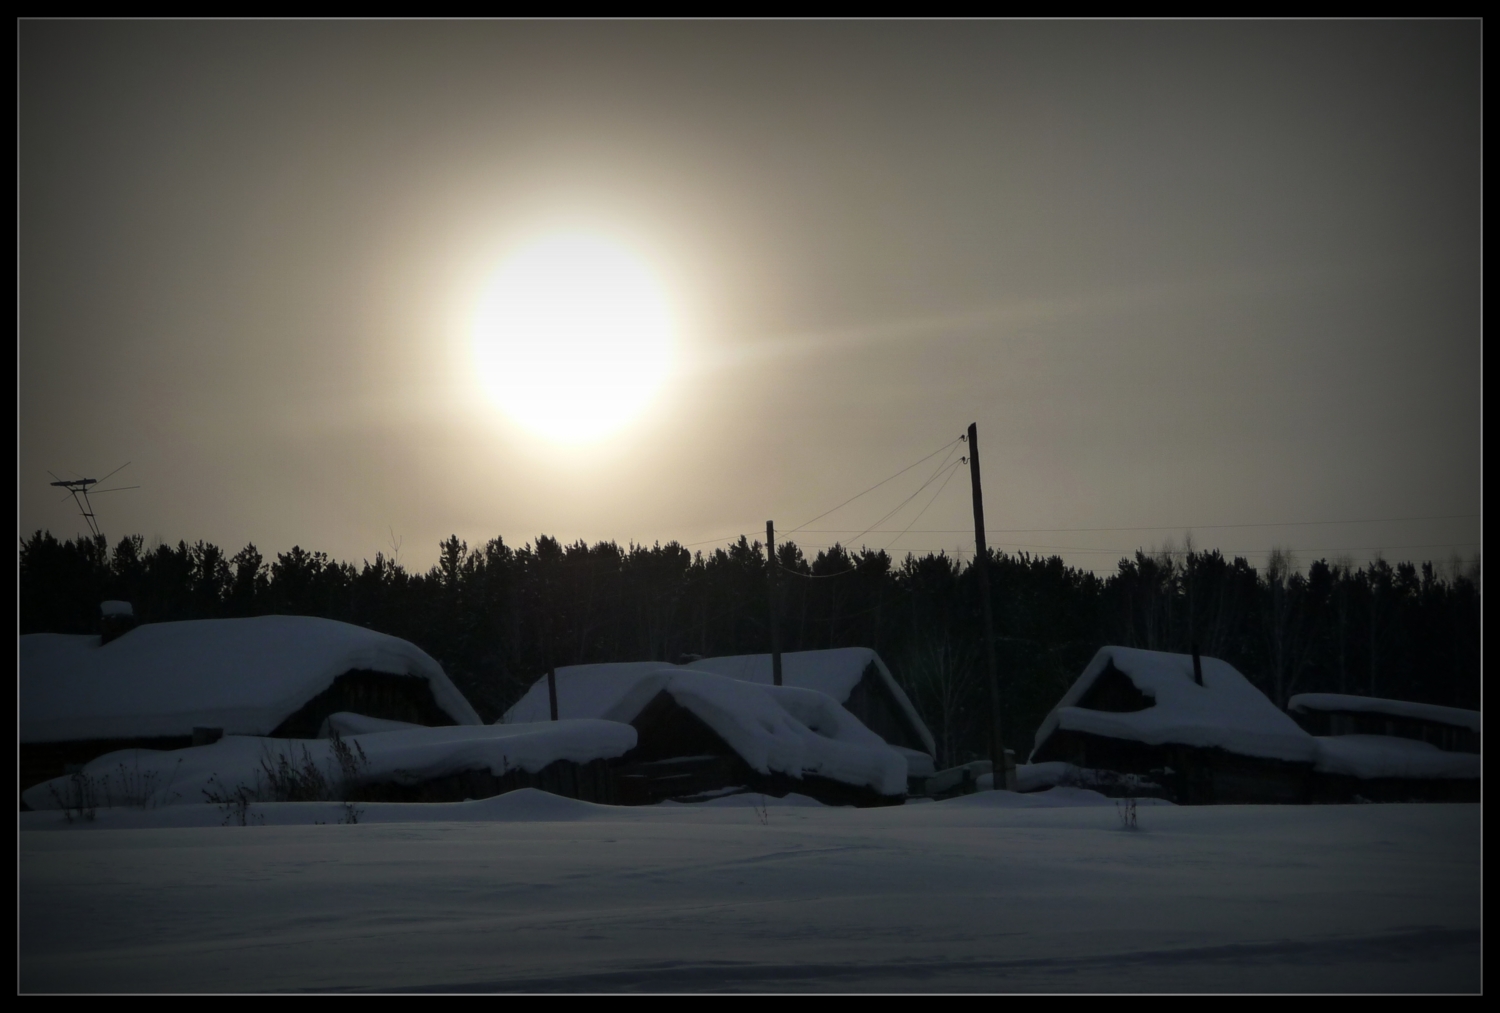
(148, 777)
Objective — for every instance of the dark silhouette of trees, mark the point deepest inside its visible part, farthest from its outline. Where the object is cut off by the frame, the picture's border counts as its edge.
(495, 615)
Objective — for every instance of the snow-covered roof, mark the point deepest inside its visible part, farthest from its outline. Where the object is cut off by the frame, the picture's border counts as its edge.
(243, 675)
(785, 729)
(1369, 756)
(1342, 702)
(406, 755)
(1225, 712)
(591, 690)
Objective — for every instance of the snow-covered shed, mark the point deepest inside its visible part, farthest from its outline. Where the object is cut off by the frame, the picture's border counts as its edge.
(855, 677)
(1147, 715)
(1449, 728)
(169, 685)
(1390, 750)
(702, 733)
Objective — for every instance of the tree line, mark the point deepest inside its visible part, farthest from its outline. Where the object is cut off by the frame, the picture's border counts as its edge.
(496, 615)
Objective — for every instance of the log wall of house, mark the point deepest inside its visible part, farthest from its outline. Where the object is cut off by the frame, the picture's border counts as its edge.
(1186, 775)
(872, 702)
(1448, 737)
(373, 694)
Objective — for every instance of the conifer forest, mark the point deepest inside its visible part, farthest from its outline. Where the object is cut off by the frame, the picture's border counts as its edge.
(495, 615)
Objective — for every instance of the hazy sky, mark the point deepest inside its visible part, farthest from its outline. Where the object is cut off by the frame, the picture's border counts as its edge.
(1181, 275)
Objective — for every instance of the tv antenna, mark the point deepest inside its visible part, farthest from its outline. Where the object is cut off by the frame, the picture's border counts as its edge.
(81, 488)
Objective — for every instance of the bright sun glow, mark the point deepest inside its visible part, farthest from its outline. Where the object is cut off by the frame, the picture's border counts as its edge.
(573, 337)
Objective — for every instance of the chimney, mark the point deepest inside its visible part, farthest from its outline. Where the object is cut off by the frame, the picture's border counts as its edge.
(116, 618)
(1197, 666)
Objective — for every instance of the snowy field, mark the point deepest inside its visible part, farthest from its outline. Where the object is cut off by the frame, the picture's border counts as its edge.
(530, 892)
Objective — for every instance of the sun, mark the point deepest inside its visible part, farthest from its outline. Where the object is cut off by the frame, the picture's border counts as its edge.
(573, 336)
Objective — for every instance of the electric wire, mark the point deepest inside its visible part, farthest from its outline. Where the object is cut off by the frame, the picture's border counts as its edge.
(1172, 527)
(930, 479)
(947, 446)
(951, 472)
(950, 468)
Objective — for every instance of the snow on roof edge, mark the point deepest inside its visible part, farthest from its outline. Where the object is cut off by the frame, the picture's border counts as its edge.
(923, 732)
(1330, 702)
(1091, 671)
(1226, 711)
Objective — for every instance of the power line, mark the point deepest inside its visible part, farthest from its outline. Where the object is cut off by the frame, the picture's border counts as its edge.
(930, 479)
(947, 446)
(1141, 527)
(951, 472)
(739, 534)
(1227, 552)
(950, 468)
(1162, 527)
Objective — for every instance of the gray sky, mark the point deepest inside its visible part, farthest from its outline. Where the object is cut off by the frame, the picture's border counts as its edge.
(1181, 275)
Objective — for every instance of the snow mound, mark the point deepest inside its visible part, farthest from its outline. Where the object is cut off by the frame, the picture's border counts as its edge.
(1455, 716)
(918, 763)
(521, 805)
(752, 800)
(149, 777)
(1058, 774)
(1052, 798)
(243, 675)
(1371, 756)
(525, 805)
(1226, 712)
(1038, 776)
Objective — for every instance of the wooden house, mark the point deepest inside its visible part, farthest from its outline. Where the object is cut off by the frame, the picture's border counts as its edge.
(172, 685)
(1148, 722)
(859, 680)
(702, 732)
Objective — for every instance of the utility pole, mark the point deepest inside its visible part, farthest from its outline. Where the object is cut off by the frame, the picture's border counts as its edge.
(1004, 774)
(773, 568)
(547, 646)
(80, 488)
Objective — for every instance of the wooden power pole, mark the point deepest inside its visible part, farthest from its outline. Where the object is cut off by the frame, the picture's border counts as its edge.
(547, 648)
(1002, 772)
(773, 567)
